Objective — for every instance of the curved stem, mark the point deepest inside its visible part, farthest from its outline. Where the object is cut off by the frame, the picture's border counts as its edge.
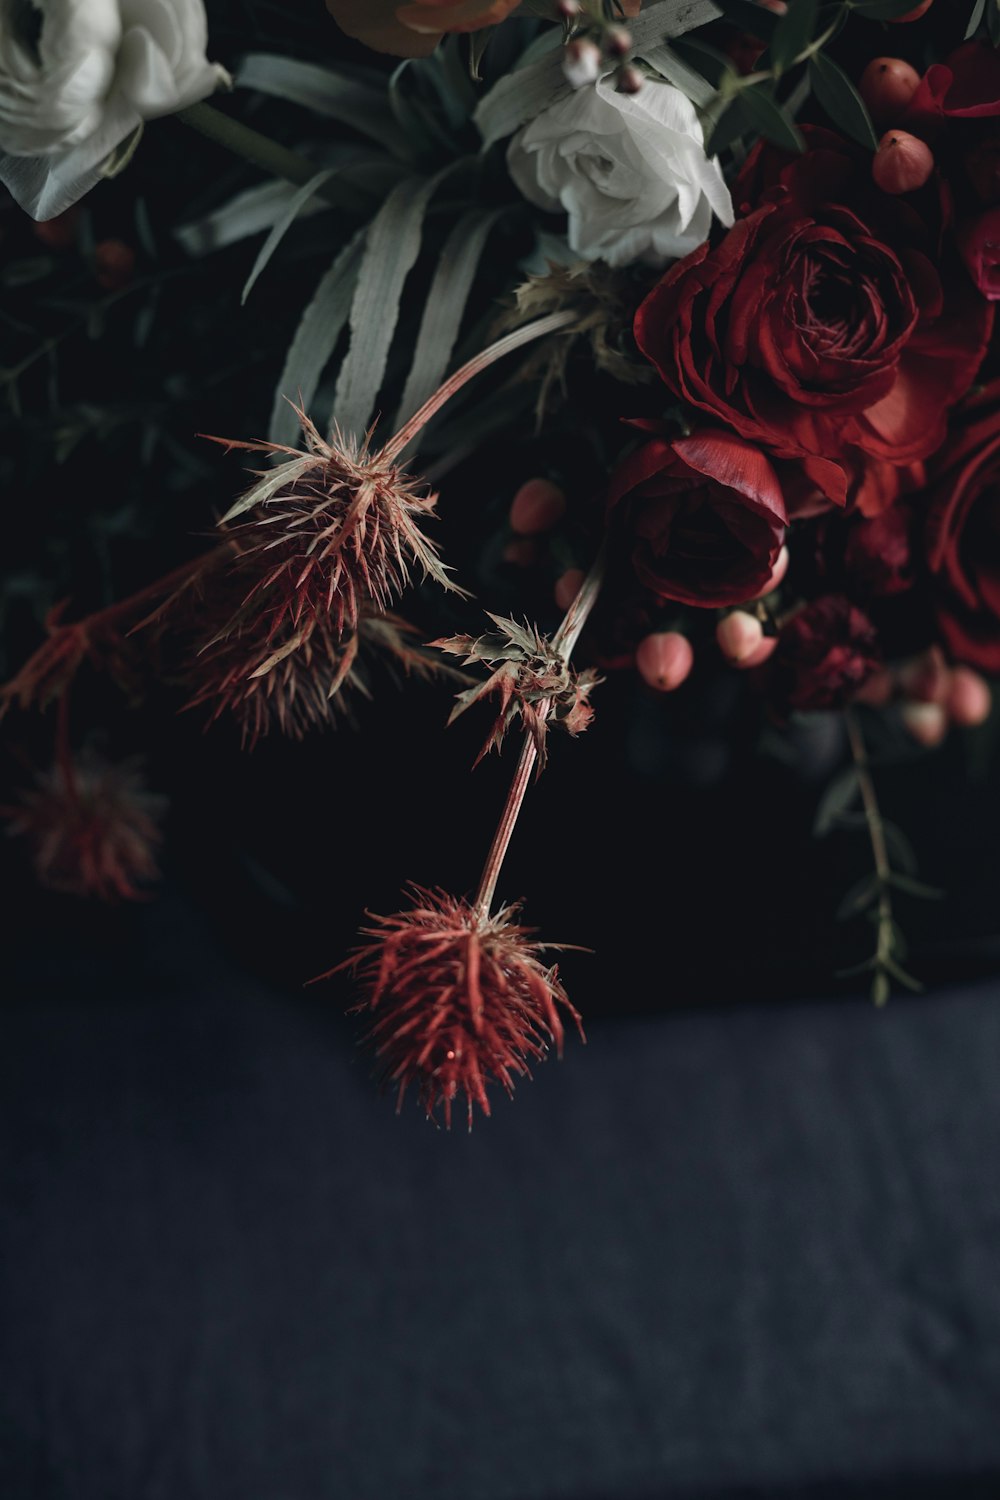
(564, 641)
(876, 836)
(526, 334)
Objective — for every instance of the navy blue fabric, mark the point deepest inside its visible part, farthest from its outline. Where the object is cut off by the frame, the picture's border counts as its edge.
(720, 1254)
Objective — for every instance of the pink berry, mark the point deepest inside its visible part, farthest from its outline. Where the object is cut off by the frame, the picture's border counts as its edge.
(739, 635)
(664, 660)
(538, 506)
(969, 698)
(927, 722)
(887, 85)
(902, 162)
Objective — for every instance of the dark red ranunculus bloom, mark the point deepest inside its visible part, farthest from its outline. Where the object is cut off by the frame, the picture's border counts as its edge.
(823, 323)
(963, 543)
(825, 654)
(979, 242)
(707, 516)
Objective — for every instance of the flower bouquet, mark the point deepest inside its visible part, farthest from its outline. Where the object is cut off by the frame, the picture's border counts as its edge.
(722, 272)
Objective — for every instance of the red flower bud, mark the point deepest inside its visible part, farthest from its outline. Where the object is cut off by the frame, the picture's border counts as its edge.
(538, 506)
(902, 163)
(887, 85)
(664, 660)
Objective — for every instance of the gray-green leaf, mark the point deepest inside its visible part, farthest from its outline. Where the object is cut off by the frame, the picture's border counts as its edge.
(841, 100)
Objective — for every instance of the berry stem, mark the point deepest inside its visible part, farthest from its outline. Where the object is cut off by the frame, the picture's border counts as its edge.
(564, 641)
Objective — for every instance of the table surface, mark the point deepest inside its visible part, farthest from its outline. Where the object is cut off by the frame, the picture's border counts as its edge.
(734, 1253)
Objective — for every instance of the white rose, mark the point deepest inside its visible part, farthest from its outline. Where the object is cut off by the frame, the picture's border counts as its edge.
(629, 169)
(78, 77)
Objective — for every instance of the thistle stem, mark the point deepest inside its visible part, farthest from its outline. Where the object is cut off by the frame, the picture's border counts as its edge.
(565, 640)
(526, 334)
(271, 157)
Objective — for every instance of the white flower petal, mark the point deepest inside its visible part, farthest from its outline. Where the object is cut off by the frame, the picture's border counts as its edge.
(629, 170)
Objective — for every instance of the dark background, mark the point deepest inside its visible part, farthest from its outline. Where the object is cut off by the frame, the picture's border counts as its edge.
(747, 1248)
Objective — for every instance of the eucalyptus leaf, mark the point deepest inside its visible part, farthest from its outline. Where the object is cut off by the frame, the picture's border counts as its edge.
(769, 118)
(793, 33)
(315, 339)
(731, 123)
(356, 98)
(841, 100)
(392, 246)
(859, 898)
(281, 226)
(442, 317)
(975, 20)
(838, 799)
(679, 73)
(915, 887)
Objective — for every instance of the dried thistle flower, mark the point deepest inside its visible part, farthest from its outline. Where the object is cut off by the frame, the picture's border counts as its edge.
(530, 677)
(293, 679)
(328, 531)
(459, 999)
(602, 302)
(93, 828)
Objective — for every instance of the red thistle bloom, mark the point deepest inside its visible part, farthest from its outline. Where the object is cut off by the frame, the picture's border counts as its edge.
(93, 829)
(296, 678)
(459, 999)
(328, 531)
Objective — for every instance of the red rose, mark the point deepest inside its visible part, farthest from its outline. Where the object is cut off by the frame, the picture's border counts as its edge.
(964, 536)
(707, 516)
(979, 242)
(825, 654)
(821, 323)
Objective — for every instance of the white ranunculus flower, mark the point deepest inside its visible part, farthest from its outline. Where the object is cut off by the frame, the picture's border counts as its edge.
(629, 169)
(78, 77)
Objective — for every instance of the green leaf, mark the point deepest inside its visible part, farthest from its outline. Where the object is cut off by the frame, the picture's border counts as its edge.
(281, 226)
(838, 799)
(676, 71)
(859, 898)
(975, 20)
(793, 33)
(915, 887)
(392, 246)
(356, 98)
(442, 316)
(841, 100)
(768, 117)
(315, 340)
(901, 851)
(901, 977)
(730, 125)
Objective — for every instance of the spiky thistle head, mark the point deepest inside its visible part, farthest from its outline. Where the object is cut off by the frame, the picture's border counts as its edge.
(93, 828)
(274, 675)
(457, 1000)
(329, 531)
